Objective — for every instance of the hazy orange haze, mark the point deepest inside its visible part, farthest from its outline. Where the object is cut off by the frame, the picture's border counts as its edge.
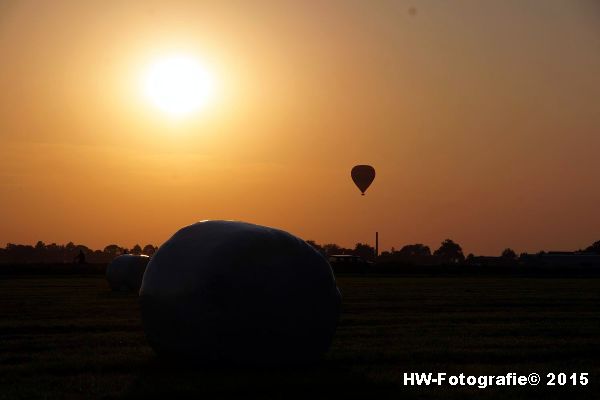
(482, 120)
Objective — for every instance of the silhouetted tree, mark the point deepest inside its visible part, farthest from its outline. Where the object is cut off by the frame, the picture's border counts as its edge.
(53, 247)
(594, 248)
(415, 250)
(450, 252)
(149, 250)
(364, 250)
(332, 248)
(137, 249)
(316, 246)
(509, 254)
(113, 250)
(39, 252)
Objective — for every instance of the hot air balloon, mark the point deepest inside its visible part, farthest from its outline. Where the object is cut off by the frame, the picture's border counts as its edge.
(363, 176)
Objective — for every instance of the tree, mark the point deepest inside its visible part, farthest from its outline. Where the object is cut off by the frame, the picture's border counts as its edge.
(53, 247)
(509, 254)
(594, 248)
(149, 250)
(450, 252)
(316, 246)
(364, 250)
(40, 245)
(137, 249)
(415, 250)
(113, 250)
(332, 248)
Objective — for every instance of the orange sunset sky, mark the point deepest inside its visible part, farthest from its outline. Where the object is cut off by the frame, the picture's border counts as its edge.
(482, 119)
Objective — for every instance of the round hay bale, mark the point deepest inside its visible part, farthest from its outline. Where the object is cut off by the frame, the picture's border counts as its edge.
(239, 293)
(125, 272)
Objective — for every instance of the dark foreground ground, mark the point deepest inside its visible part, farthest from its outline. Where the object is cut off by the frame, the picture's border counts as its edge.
(70, 337)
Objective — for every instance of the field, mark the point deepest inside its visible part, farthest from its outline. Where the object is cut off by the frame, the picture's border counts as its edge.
(70, 337)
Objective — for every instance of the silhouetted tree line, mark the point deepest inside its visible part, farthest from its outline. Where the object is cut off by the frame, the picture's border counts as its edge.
(448, 253)
(361, 249)
(451, 253)
(69, 253)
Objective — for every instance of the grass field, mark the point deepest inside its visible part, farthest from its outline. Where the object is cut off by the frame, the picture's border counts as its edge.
(70, 337)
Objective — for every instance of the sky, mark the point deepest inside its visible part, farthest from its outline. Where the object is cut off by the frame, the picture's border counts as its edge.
(482, 120)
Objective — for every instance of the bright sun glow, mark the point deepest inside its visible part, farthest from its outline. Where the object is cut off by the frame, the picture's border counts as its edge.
(178, 85)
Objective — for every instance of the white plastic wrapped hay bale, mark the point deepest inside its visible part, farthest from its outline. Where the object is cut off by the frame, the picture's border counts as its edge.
(237, 292)
(125, 272)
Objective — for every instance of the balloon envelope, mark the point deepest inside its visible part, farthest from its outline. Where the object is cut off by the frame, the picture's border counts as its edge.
(363, 176)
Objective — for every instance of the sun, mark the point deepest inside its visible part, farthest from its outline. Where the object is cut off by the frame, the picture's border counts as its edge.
(178, 85)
